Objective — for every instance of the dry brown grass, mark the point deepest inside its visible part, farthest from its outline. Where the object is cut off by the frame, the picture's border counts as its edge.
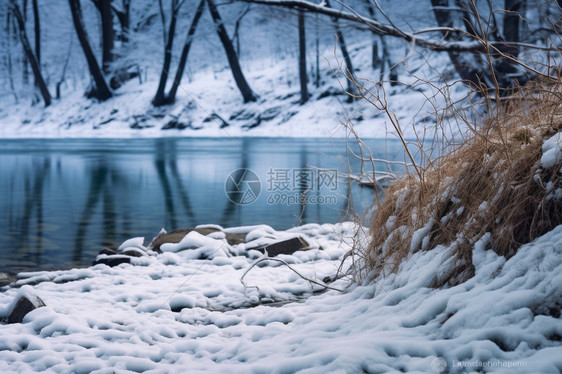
(493, 183)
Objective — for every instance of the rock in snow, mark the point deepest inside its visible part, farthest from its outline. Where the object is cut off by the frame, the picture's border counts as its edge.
(286, 246)
(24, 302)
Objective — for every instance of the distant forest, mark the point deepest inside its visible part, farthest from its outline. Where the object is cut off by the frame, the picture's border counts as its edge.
(51, 47)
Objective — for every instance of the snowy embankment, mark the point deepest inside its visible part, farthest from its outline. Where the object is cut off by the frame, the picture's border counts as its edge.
(173, 313)
(210, 105)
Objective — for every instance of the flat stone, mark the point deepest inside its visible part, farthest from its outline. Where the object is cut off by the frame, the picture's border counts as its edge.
(286, 247)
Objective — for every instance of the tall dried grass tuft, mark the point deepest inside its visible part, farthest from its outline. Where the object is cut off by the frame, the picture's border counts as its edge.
(492, 183)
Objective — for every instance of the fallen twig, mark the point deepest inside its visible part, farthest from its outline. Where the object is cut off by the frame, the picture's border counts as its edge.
(266, 258)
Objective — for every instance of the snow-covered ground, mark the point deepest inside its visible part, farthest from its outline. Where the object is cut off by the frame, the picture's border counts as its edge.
(175, 313)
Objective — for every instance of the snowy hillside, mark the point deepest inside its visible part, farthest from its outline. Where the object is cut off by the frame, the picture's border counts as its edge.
(208, 102)
(212, 98)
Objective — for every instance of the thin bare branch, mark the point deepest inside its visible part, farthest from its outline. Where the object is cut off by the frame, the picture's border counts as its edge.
(383, 30)
(266, 258)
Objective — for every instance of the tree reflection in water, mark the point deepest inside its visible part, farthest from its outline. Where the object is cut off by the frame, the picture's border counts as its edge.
(65, 199)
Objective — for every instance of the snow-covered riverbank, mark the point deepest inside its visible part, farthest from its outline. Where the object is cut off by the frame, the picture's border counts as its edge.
(171, 313)
(211, 106)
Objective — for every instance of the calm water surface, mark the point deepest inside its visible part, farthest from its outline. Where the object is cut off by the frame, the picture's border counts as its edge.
(62, 200)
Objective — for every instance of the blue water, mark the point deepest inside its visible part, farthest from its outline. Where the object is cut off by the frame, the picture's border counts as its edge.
(63, 199)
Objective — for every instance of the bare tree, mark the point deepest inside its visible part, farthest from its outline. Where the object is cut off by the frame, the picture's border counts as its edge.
(120, 72)
(236, 33)
(6, 44)
(33, 61)
(466, 44)
(350, 75)
(104, 8)
(467, 66)
(100, 90)
(161, 98)
(374, 48)
(185, 51)
(511, 26)
(302, 58)
(231, 55)
(25, 71)
(499, 70)
(124, 16)
(37, 30)
(384, 59)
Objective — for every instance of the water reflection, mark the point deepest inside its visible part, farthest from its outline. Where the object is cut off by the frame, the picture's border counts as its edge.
(64, 199)
(230, 208)
(103, 182)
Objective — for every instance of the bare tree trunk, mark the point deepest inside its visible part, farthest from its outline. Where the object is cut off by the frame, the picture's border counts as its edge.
(241, 82)
(302, 58)
(37, 34)
(124, 17)
(374, 49)
(160, 97)
(121, 74)
(317, 37)
(107, 34)
(236, 33)
(468, 65)
(461, 60)
(469, 21)
(8, 55)
(126, 20)
(126, 23)
(64, 67)
(29, 54)
(350, 75)
(101, 90)
(185, 51)
(104, 7)
(25, 71)
(348, 65)
(506, 68)
(511, 20)
(37, 25)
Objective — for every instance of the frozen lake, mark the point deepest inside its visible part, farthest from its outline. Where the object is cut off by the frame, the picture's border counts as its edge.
(63, 199)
